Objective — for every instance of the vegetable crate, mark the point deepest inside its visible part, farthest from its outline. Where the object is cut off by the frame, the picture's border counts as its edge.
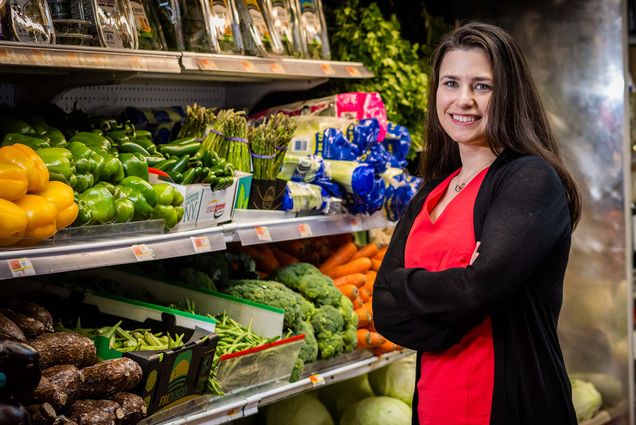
(170, 376)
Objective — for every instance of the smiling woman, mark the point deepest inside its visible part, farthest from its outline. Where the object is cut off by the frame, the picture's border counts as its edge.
(473, 276)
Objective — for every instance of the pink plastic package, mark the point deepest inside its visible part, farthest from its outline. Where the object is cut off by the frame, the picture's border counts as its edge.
(355, 105)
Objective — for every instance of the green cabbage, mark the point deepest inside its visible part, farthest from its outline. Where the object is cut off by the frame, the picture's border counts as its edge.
(396, 380)
(586, 399)
(377, 411)
(300, 410)
(339, 396)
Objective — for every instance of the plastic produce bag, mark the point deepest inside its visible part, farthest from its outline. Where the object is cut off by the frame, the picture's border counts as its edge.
(309, 133)
(149, 34)
(366, 132)
(283, 18)
(255, 28)
(336, 146)
(371, 201)
(306, 169)
(356, 178)
(377, 157)
(168, 14)
(303, 197)
(196, 29)
(223, 24)
(29, 22)
(398, 142)
(313, 29)
(114, 23)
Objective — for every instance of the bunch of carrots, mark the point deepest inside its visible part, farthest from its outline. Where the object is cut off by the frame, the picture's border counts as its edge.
(353, 272)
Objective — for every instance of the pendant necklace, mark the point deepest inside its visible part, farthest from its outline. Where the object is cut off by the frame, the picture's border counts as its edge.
(460, 186)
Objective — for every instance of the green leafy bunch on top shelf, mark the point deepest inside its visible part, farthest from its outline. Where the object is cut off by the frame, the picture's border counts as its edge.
(363, 34)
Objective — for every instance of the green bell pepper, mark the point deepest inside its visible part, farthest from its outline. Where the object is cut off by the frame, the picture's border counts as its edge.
(13, 125)
(178, 199)
(93, 140)
(180, 211)
(87, 161)
(119, 137)
(168, 214)
(38, 124)
(165, 193)
(60, 163)
(134, 165)
(125, 210)
(110, 187)
(56, 136)
(32, 140)
(142, 186)
(113, 169)
(83, 182)
(143, 210)
(131, 147)
(100, 204)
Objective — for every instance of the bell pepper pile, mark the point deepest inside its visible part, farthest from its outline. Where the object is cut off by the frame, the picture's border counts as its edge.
(32, 208)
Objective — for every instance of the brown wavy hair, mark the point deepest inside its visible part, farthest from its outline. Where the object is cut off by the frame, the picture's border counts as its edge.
(517, 121)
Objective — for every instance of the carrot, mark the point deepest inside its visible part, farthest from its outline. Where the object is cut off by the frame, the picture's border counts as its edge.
(381, 253)
(339, 257)
(375, 264)
(371, 326)
(357, 279)
(359, 265)
(357, 303)
(364, 294)
(387, 347)
(368, 339)
(364, 317)
(368, 251)
(350, 291)
(283, 258)
(368, 285)
(268, 255)
(296, 247)
(263, 261)
(338, 240)
(369, 304)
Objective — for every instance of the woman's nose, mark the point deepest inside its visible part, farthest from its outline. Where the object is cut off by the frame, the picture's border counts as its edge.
(466, 98)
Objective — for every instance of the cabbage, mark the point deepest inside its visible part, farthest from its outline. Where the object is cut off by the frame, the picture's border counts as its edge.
(396, 380)
(377, 411)
(300, 410)
(586, 399)
(339, 396)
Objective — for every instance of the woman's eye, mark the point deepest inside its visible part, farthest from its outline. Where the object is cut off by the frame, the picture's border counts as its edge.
(450, 83)
(482, 87)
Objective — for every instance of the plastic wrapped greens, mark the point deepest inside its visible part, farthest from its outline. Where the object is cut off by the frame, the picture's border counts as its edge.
(168, 14)
(149, 34)
(313, 30)
(303, 197)
(29, 21)
(354, 177)
(308, 169)
(223, 24)
(255, 28)
(114, 23)
(283, 18)
(336, 146)
(196, 31)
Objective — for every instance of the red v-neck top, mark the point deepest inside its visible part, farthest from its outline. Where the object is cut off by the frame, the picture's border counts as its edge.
(455, 385)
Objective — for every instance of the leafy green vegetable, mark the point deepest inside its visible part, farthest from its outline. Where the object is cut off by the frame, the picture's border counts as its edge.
(300, 410)
(396, 380)
(339, 396)
(377, 411)
(586, 399)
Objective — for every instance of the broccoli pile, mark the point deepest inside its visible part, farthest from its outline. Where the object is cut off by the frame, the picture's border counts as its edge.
(310, 283)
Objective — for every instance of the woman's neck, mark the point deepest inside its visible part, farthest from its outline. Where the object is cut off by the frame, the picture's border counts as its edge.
(475, 158)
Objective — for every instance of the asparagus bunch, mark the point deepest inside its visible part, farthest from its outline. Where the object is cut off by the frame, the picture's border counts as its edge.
(268, 144)
(196, 121)
(228, 138)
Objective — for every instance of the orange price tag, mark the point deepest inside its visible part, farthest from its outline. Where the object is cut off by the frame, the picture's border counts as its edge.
(305, 230)
(143, 252)
(352, 71)
(21, 267)
(262, 233)
(208, 64)
(327, 69)
(136, 62)
(316, 380)
(6, 54)
(201, 244)
(277, 68)
(73, 59)
(248, 66)
(40, 57)
(356, 221)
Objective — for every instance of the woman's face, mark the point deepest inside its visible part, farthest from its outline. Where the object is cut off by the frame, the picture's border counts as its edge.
(463, 95)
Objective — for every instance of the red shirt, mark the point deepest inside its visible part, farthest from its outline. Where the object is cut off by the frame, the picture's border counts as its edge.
(456, 385)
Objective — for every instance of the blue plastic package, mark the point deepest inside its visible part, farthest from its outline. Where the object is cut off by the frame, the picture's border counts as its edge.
(355, 177)
(336, 146)
(377, 157)
(304, 197)
(163, 123)
(365, 133)
(397, 142)
(372, 201)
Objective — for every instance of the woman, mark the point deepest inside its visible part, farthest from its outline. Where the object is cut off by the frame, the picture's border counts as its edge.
(473, 276)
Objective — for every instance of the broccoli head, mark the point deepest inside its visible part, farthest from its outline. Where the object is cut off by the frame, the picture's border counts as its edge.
(327, 319)
(330, 345)
(309, 351)
(291, 275)
(319, 289)
(307, 309)
(350, 337)
(297, 371)
(345, 307)
(197, 278)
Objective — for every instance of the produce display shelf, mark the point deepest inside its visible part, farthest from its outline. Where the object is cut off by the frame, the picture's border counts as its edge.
(218, 410)
(186, 65)
(124, 248)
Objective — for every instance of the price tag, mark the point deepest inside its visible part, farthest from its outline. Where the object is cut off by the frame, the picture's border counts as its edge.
(201, 244)
(248, 66)
(305, 230)
(232, 412)
(73, 59)
(21, 267)
(352, 71)
(356, 221)
(40, 57)
(277, 68)
(206, 64)
(6, 54)
(262, 233)
(143, 252)
(316, 380)
(102, 61)
(327, 69)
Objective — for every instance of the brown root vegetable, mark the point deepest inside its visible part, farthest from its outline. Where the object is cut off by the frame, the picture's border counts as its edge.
(133, 406)
(110, 377)
(63, 420)
(96, 412)
(35, 311)
(67, 379)
(10, 330)
(31, 327)
(47, 392)
(64, 348)
(41, 414)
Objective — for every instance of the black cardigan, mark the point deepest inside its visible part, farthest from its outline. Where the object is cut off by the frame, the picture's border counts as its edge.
(522, 219)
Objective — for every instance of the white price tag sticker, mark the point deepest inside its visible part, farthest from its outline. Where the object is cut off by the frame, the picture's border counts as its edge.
(305, 230)
(201, 244)
(356, 221)
(316, 380)
(262, 233)
(21, 267)
(143, 252)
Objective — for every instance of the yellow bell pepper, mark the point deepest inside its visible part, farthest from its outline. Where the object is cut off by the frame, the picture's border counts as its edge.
(27, 159)
(13, 182)
(13, 223)
(41, 214)
(61, 195)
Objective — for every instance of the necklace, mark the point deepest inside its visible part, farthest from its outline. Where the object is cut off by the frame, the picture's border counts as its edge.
(460, 186)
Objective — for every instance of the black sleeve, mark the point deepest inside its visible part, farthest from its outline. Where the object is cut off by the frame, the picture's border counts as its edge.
(527, 217)
(390, 317)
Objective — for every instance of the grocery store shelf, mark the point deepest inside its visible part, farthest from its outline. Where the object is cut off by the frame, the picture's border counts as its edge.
(109, 250)
(217, 410)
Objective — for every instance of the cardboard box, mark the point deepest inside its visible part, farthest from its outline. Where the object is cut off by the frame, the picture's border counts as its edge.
(267, 194)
